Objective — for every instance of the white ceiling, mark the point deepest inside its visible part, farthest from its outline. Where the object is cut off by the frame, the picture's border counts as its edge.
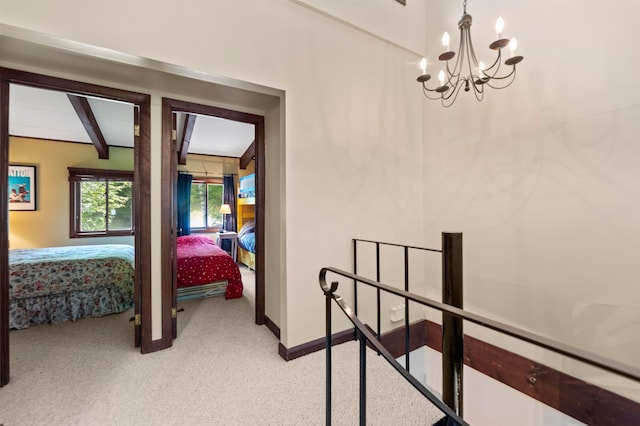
(48, 114)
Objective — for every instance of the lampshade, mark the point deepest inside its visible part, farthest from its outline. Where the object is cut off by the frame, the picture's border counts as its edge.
(225, 209)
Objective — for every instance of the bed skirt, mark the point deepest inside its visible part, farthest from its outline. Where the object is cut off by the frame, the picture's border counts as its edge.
(93, 302)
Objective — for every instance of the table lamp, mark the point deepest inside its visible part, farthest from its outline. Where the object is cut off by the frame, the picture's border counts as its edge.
(225, 209)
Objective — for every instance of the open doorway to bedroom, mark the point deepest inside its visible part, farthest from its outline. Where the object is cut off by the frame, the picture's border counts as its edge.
(35, 161)
(239, 171)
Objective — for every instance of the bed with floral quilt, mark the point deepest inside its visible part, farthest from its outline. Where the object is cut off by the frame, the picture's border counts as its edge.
(48, 285)
(204, 269)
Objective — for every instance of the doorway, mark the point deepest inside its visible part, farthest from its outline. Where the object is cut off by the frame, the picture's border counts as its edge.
(141, 196)
(169, 166)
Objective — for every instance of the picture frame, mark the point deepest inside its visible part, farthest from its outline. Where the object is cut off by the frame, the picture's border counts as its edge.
(22, 190)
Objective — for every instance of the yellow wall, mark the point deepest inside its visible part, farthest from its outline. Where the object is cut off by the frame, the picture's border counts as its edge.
(48, 226)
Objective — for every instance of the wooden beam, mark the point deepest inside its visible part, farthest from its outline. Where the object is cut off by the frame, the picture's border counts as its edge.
(85, 114)
(189, 123)
(248, 155)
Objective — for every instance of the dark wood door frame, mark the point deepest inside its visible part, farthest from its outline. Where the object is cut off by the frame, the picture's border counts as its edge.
(142, 195)
(169, 172)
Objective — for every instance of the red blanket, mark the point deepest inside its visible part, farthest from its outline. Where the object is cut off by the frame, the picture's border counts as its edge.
(201, 261)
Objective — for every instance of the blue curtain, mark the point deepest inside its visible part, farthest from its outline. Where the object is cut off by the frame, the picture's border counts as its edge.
(184, 204)
(230, 198)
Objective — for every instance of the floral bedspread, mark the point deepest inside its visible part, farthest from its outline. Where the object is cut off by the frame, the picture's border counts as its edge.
(55, 284)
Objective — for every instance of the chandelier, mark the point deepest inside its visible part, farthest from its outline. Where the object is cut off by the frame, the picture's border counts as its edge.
(467, 71)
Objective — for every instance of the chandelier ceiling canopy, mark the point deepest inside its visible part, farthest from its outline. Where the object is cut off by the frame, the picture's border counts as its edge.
(467, 71)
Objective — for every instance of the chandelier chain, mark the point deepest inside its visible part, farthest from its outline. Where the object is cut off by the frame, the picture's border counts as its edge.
(464, 6)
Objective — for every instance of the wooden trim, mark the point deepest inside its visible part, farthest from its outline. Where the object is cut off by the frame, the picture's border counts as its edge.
(315, 345)
(4, 241)
(272, 326)
(576, 398)
(142, 178)
(189, 124)
(169, 167)
(248, 155)
(261, 190)
(142, 186)
(168, 235)
(394, 340)
(87, 118)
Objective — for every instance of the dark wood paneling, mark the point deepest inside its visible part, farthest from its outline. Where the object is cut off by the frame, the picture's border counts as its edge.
(576, 398)
(315, 345)
(395, 343)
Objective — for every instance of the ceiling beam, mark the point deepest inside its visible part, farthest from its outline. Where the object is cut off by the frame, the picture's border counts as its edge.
(189, 124)
(85, 114)
(248, 155)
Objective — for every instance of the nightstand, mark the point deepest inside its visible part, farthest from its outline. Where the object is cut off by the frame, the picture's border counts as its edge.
(233, 237)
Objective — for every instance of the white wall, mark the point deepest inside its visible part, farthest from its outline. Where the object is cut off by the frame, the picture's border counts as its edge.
(353, 117)
(542, 177)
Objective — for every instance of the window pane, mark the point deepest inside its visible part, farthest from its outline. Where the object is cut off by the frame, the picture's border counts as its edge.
(198, 205)
(120, 206)
(93, 207)
(214, 192)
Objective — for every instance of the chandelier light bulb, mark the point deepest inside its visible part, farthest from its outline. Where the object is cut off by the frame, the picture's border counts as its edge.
(423, 66)
(445, 40)
(513, 45)
(441, 78)
(481, 68)
(499, 27)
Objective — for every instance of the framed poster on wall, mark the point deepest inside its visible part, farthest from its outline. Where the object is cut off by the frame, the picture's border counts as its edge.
(22, 187)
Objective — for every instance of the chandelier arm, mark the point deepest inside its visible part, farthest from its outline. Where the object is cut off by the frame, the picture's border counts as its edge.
(471, 58)
(513, 77)
(478, 91)
(478, 88)
(426, 91)
(455, 96)
(456, 71)
(496, 62)
(454, 88)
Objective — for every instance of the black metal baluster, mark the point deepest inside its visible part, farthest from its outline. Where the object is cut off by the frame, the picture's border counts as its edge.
(363, 380)
(407, 342)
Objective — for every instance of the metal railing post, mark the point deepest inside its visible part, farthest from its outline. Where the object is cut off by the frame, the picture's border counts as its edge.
(452, 337)
(407, 342)
(355, 272)
(328, 359)
(363, 379)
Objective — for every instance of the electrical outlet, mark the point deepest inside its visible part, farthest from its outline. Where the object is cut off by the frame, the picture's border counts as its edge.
(397, 313)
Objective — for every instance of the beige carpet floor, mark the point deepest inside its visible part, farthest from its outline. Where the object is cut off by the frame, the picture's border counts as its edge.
(222, 370)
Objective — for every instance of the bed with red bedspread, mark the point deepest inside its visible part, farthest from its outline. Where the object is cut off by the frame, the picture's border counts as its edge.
(201, 261)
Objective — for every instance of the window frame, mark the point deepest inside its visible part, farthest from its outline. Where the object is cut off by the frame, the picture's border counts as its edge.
(76, 177)
(207, 180)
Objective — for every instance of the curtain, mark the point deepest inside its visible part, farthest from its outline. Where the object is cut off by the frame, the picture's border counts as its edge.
(230, 198)
(184, 204)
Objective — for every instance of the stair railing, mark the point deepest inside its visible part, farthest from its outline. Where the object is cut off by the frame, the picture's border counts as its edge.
(451, 408)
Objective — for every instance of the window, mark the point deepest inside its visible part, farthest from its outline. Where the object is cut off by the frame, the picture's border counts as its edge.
(206, 199)
(101, 202)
